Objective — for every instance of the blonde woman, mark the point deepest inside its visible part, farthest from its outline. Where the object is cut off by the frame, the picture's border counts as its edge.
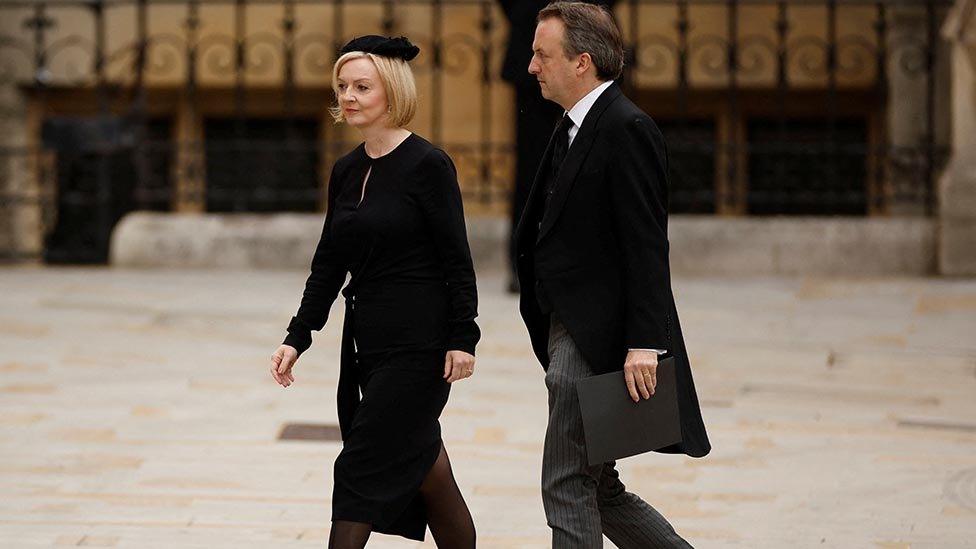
(394, 221)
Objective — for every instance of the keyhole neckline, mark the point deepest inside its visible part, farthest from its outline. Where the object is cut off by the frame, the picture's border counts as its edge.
(362, 195)
(393, 150)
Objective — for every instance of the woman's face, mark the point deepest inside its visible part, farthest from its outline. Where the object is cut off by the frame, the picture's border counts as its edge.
(361, 95)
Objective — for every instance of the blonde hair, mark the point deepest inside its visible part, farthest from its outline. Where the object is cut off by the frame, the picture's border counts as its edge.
(398, 81)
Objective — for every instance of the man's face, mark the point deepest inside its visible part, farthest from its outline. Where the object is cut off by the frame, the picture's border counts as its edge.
(556, 74)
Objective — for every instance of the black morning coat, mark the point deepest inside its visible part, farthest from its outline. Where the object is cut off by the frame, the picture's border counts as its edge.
(600, 251)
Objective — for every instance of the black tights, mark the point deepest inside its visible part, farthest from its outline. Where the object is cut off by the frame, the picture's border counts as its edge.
(447, 514)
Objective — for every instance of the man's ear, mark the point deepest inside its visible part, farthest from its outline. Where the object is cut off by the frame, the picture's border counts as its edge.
(584, 62)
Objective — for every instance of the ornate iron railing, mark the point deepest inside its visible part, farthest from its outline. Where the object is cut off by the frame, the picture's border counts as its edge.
(769, 107)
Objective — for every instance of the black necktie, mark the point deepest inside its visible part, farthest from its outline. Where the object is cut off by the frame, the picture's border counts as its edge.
(559, 148)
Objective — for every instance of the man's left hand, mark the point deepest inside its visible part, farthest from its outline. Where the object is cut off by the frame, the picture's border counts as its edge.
(640, 372)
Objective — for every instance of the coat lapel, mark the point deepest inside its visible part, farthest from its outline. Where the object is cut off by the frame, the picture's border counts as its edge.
(575, 157)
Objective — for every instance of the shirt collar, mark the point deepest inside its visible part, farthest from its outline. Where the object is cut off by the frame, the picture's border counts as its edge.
(583, 106)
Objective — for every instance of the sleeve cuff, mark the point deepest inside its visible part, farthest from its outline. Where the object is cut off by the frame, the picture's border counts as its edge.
(465, 346)
(299, 342)
(658, 351)
(464, 338)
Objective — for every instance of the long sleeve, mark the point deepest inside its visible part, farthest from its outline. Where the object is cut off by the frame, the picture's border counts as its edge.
(638, 190)
(322, 286)
(440, 199)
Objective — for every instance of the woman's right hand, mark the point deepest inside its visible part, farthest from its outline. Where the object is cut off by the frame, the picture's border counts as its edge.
(458, 365)
(281, 363)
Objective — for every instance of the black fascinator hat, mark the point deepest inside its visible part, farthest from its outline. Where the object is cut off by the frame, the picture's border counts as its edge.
(381, 45)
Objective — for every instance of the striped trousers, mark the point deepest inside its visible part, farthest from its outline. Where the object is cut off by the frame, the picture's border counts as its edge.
(582, 502)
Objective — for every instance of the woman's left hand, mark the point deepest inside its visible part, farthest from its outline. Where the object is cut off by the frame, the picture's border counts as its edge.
(458, 365)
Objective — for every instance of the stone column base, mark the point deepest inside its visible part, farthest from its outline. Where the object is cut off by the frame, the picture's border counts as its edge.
(957, 221)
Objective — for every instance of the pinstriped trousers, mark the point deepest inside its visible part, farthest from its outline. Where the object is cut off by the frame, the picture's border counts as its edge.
(584, 502)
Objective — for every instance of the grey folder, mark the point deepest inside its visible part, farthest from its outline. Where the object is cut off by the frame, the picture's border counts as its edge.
(616, 427)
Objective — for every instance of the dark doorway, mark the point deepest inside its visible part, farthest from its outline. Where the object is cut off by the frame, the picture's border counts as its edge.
(105, 167)
(263, 164)
(691, 159)
(806, 166)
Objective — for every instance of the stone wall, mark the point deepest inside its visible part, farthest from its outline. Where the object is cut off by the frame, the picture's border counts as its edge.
(700, 245)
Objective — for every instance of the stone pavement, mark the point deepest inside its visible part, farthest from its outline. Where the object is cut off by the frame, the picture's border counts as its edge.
(136, 411)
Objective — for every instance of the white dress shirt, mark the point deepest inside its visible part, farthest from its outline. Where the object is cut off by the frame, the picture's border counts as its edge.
(583, 106)
(577, 114)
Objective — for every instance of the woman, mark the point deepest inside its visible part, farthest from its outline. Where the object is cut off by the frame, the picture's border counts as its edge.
(394, 220)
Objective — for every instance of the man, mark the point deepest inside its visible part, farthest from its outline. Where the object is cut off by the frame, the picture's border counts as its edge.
(593, 267)
(534, 116)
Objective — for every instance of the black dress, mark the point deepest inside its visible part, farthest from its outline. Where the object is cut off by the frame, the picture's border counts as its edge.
(412, 297)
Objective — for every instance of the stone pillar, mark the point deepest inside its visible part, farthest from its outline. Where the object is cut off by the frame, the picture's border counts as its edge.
(957, 187)
(21, 230)
(20, 196)
(6, 161)
(190, 161)
(907, 108)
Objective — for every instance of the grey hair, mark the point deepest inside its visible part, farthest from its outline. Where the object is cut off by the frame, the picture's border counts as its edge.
(590, 28)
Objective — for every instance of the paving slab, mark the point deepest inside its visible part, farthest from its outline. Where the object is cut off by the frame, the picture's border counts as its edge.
(136, 411)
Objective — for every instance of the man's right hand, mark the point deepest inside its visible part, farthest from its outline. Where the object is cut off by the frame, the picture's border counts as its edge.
(281, 363)
(640, 373)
